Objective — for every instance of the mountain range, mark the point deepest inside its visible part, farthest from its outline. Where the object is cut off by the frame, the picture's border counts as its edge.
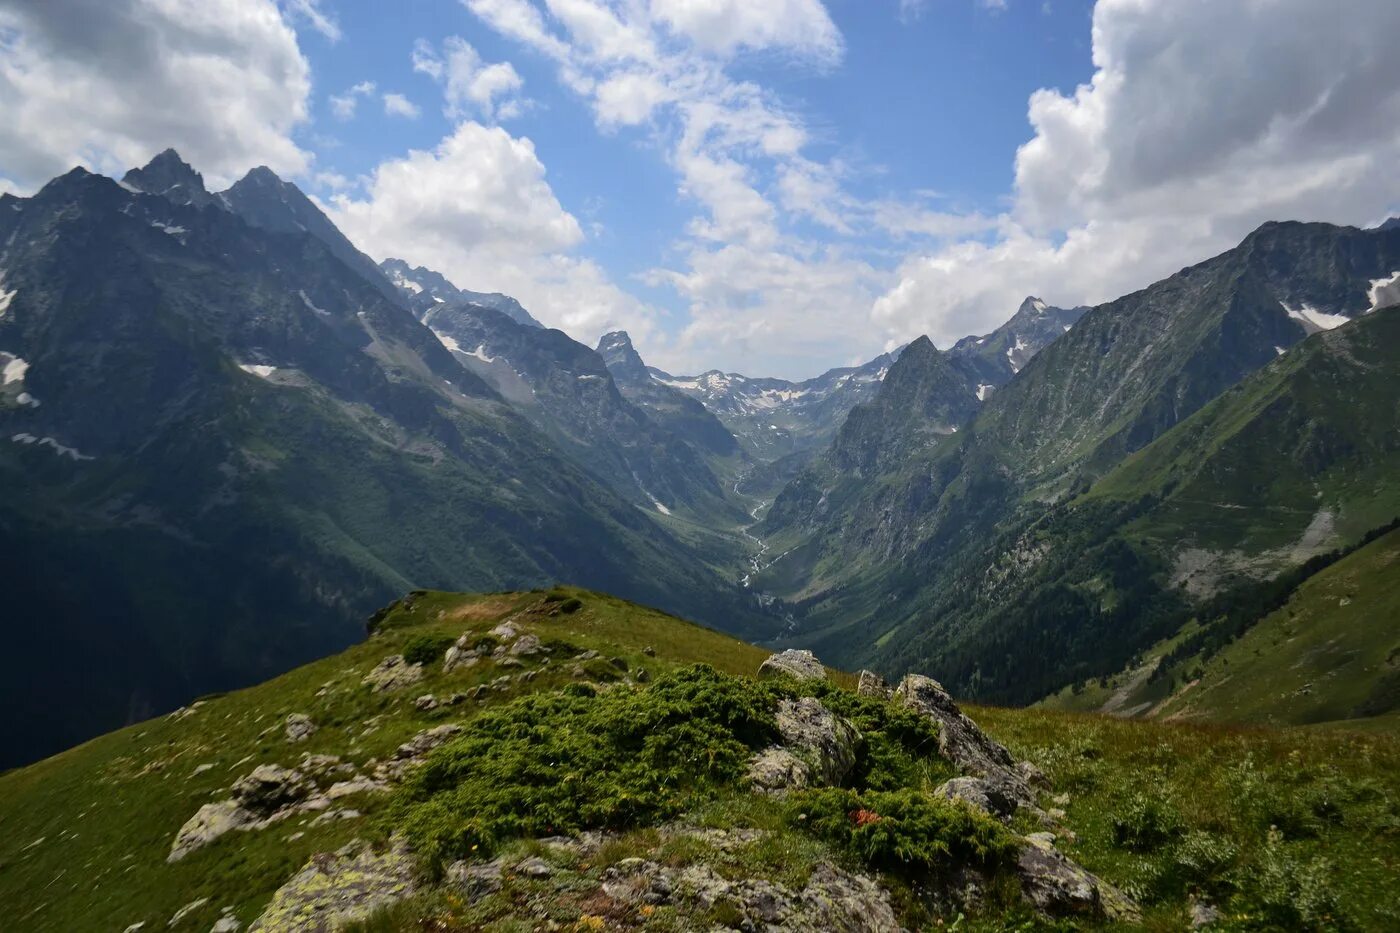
(1217, 427)
(228, 435)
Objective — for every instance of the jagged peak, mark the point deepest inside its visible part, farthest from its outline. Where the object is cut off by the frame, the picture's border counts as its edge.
(1032, 305)
(169, 176)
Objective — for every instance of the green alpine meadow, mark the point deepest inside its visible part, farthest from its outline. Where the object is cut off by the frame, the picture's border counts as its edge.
(801, 466)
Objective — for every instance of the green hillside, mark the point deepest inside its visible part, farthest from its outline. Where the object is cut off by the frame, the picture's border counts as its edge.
(624, 732)
(1332, 652)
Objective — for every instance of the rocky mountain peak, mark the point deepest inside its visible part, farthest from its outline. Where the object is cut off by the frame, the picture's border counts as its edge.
(170, 177)
(623, 360)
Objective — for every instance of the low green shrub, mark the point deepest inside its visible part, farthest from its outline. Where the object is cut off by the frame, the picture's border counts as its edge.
(577, 759)
(905, 832)
(1283, 891)
(571, 605)
(426, 649)
(1146, 823)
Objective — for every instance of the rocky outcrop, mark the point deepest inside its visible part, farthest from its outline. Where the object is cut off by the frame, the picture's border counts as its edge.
(212, 821)
(832, 899)
(1055, 885)
(802, 665)
(393, 673)
(269, 788)
(299, 727)
(819, 748)
(960, 740)
(873, 685)
(335, 889)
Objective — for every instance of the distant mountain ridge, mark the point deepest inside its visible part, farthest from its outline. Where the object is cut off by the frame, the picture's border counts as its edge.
(226, 438)
(939, 554)
(425, 288)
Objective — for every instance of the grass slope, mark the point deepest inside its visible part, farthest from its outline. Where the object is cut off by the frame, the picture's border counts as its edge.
(1299, 829)
(1331, 653)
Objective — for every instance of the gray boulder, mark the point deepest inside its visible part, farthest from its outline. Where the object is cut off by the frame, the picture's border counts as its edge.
(989, 796)
(777, 769)
(802, 665)
(826, 741)
(527, 644)
(960, 740)
(873, 685)
(393, 673)
(1058, 887)
(299, 727)
(269, 788)
(334, 890)
(212, 821)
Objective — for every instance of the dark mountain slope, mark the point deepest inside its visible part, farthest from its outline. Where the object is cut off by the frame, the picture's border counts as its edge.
(918, 548)
(683, 416)
(567, 389)
(222, 446)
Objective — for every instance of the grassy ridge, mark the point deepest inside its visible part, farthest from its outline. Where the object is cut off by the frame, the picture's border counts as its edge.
(1298, 829)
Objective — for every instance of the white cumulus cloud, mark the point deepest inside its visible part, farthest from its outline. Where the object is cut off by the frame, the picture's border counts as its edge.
(109, 83)
(479, 209)
(1202, 121)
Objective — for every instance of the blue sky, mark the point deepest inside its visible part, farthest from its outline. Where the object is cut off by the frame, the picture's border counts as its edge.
(771, 188)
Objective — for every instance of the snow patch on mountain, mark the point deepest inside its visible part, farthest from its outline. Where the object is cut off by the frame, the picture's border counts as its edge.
(480, 353)
(984, 390)
(447, 341)
(14, 370)
(311, 304)
(5, 297)
(258, 369)
(1383, 293)
(61, 450)
(1314, 320)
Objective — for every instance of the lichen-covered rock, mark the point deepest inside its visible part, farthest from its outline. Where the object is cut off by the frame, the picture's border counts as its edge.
(299, 727)
(393, 673)
(476, 881)
(988, 796)
(832, 899)
(526, 645)
(960, 740)
(777, 769)
(333, 890)
(212, 821)
(269, 788)
(824, 740)
(800, 664)
(1056, 886)
(872, 684)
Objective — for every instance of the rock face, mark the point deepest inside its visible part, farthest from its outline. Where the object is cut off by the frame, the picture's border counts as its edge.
(819, 748)
(393, 673)
(986, 795)
(802, 665)
(873, 685)
(299, 727)
(1057, 886)
(832, 899)
(333, 890)
(826, 741)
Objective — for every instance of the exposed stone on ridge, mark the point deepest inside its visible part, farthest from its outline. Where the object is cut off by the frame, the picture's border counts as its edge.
(393, 673)
(826, 741)
(873, 685)
(333, 890)
(800, 664)
(1057, 886)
